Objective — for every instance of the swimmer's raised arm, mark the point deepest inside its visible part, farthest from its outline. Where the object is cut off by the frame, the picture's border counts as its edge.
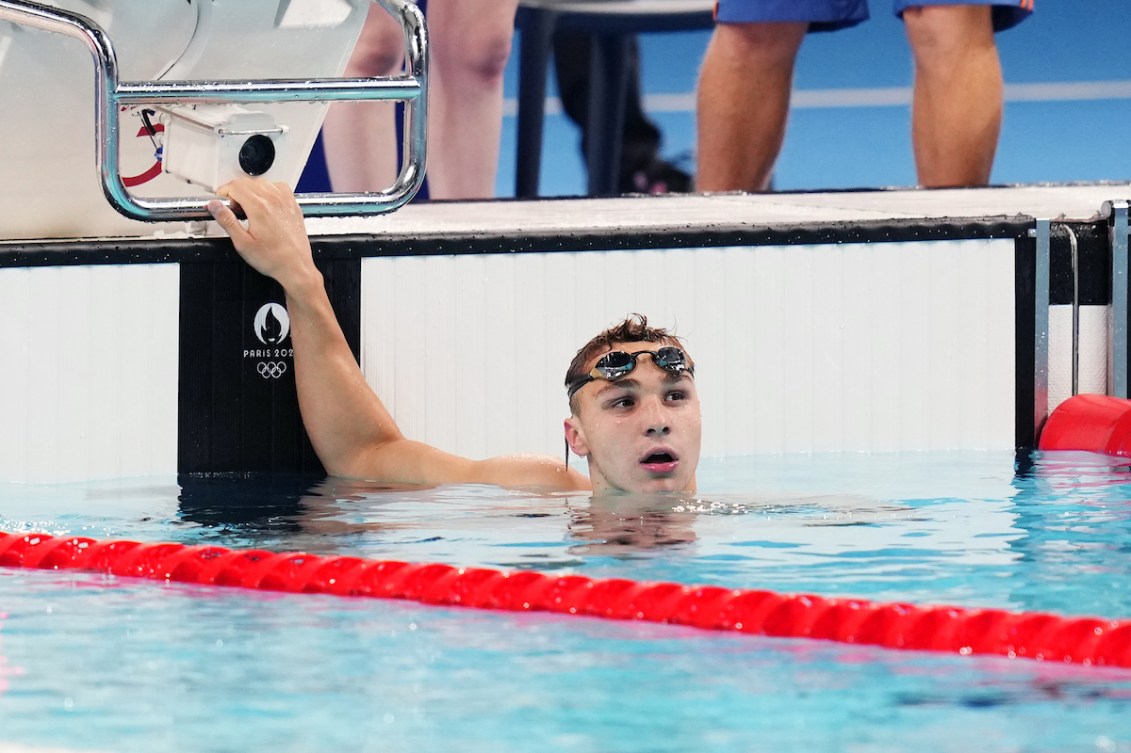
(350, 428)
(344, 419)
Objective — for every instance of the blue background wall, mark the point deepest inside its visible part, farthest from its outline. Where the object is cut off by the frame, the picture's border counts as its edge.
(1067, 118)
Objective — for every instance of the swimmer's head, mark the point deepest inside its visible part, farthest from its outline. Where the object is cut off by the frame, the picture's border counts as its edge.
(634, 409)
(634, 329)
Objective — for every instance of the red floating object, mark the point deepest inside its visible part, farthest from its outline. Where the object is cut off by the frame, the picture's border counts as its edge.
(1094, 423)
(1032, 635)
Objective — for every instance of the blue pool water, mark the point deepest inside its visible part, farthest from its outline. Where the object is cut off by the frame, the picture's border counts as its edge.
(92, 662)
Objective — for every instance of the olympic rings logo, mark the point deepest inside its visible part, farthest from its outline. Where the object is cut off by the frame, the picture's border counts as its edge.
(271, 369)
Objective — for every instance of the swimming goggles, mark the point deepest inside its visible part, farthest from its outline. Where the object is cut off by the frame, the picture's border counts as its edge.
(618, 364)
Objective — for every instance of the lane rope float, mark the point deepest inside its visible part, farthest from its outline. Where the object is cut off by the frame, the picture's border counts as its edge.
(968, 631)
(1095, 423)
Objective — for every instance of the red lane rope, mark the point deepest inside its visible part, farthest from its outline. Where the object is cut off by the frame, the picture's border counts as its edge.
(1031, 635)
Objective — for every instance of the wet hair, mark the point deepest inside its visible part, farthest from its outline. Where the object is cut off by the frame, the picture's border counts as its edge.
(633, 329)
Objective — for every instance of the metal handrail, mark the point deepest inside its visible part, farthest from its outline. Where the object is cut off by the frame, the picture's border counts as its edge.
(111, 94)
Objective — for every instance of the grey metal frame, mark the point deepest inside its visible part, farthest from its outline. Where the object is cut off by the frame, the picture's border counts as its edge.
(1074, 248)
(1043, 236)
(1116, 214)
(111, 94)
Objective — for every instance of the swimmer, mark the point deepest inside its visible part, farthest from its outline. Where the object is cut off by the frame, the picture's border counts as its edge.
(634, 409)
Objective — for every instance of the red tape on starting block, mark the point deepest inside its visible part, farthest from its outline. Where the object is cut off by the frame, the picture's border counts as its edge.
(1030, 635)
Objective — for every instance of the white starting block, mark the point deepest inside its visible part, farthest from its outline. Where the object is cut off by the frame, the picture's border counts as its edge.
(184, 96)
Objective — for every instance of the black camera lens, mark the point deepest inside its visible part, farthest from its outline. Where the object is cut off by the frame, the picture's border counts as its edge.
(257, 155)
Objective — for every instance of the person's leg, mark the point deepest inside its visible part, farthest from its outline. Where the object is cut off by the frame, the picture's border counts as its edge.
(956, 115)
(743, 103)
(359, 138)
(641, 170)
(471, 41)
(572, 53)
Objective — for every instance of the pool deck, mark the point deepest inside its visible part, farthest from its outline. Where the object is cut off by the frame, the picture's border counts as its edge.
(679, 212)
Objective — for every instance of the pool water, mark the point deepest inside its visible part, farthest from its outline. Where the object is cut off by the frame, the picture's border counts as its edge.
(93, 662)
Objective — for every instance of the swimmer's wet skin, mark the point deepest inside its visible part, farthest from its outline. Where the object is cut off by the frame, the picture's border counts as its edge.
(640, 397)
(637, 426)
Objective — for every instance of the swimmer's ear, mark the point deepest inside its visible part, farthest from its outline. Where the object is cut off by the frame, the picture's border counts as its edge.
(575, 438)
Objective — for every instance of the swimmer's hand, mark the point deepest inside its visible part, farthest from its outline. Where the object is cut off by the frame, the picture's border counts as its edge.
(274, 242)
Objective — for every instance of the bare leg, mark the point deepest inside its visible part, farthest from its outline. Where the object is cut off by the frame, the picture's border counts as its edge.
(471, 41)
(956, 116)
(743, 103)
(360, 138)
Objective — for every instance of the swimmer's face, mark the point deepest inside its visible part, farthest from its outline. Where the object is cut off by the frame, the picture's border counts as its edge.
(640, 433)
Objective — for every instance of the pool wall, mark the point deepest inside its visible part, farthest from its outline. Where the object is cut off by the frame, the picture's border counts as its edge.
(811, 348)
(144, 356)
(88, 385)
(865, 320)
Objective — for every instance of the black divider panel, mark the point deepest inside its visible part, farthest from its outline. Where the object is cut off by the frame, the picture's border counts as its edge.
(238, 407)
(1025, 356)
(1093, 246)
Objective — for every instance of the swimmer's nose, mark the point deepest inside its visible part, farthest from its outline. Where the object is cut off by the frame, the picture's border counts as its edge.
(657, 423)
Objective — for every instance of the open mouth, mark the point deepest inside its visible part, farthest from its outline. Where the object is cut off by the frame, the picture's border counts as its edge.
(661, 462)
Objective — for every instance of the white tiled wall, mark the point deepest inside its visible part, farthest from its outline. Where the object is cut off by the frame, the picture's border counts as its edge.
(856, 347)
(892, 346)
(1092, 352)
(88, 372)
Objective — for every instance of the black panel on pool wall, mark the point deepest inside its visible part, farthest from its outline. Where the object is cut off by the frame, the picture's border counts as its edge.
(238, 408)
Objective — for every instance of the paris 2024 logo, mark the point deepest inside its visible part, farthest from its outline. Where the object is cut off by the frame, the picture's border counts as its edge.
(271, 326)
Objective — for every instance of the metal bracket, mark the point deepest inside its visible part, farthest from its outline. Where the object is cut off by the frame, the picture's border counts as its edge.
(1116, 214)
(111, 95)
(1042, 234)
(1074, 248)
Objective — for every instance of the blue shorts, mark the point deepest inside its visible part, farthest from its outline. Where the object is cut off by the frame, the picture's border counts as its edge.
(828, 15)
